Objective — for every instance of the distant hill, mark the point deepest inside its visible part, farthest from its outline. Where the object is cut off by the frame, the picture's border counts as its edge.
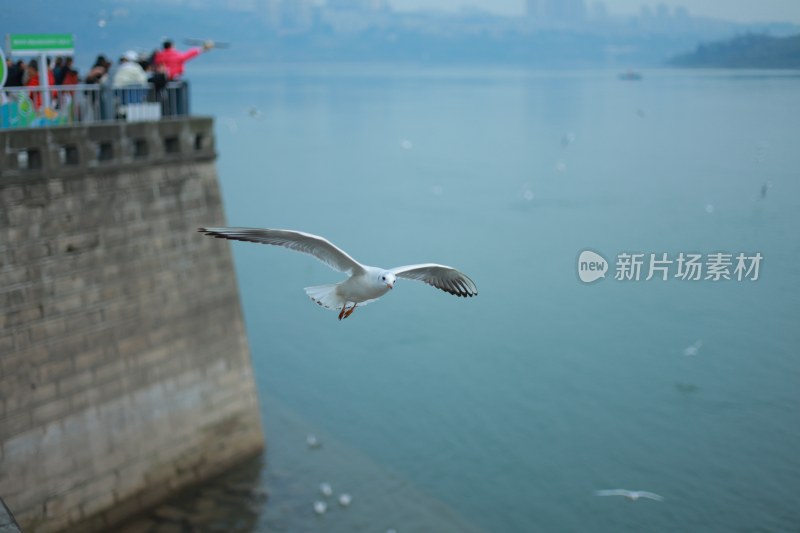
(260, 34)
(746, 51)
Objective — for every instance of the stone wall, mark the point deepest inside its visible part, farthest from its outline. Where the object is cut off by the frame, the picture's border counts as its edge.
(124, 367)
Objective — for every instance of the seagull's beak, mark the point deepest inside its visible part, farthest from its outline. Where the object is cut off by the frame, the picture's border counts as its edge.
(391, 285)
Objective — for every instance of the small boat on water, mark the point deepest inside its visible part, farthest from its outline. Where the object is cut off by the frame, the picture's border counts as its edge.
(630, 75)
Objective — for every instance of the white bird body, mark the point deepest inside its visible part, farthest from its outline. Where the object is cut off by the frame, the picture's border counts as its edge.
(365, 284)
(632, 495)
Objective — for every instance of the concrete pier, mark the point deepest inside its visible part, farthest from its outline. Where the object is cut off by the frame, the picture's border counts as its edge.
(124, 368)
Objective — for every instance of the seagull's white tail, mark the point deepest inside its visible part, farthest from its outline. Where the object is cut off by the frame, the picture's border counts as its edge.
(326, 296)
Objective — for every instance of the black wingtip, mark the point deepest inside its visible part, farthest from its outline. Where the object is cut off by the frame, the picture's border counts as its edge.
(215, 234)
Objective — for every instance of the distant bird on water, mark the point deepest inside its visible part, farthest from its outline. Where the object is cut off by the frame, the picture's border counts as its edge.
(255, 113)
(313, 441)
(693, 349)
(365, 284)
(764, 188)
(325, 489)
(632, 495)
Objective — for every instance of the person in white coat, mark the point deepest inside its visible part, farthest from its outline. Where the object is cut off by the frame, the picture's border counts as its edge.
(130, 72)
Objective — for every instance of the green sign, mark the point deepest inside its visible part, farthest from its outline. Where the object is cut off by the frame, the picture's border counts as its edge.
(21, 44)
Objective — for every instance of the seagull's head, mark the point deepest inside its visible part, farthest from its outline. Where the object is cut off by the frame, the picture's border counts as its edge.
(388, 279)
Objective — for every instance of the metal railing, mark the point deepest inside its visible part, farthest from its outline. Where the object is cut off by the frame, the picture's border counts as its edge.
(32, 107)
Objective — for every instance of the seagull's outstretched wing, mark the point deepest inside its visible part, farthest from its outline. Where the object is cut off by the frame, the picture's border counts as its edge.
(651, 495)
(614, 492)
(319, 247)
(633, 494)
(442, 277)
(201, 42)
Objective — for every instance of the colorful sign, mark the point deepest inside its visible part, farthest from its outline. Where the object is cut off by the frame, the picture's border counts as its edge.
(29, 44)
(20, 111)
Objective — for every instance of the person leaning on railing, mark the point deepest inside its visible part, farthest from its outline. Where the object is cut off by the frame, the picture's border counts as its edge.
(99, 71)
(129, 83)
(98, 75)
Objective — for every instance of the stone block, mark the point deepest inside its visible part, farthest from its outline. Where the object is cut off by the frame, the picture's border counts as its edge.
(110, 370)
(53, 410)
(43, 392)
(90, 358)
(51, 371)
(18, 448)
(74, 382)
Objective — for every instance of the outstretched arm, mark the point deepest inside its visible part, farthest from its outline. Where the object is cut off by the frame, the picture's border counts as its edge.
(189, 54)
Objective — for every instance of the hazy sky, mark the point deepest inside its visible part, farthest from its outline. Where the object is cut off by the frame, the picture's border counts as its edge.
(738, 10)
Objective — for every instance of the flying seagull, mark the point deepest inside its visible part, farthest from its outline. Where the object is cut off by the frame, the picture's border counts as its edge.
(632, 495)
(365, 284)
(207, 42)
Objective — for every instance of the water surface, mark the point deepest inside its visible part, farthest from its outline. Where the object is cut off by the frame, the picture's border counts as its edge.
(507, 411)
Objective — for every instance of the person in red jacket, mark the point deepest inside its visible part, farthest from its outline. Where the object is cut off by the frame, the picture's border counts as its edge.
(33, 81)
(174, 60)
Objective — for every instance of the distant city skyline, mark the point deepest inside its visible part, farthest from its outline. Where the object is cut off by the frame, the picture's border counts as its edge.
(734, 10)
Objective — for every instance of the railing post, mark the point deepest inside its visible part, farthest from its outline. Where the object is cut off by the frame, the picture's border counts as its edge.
(44, 80)
(186, 98)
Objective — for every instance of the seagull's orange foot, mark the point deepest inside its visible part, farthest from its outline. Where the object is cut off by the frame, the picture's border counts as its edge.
(350, 311)
(341, 313)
